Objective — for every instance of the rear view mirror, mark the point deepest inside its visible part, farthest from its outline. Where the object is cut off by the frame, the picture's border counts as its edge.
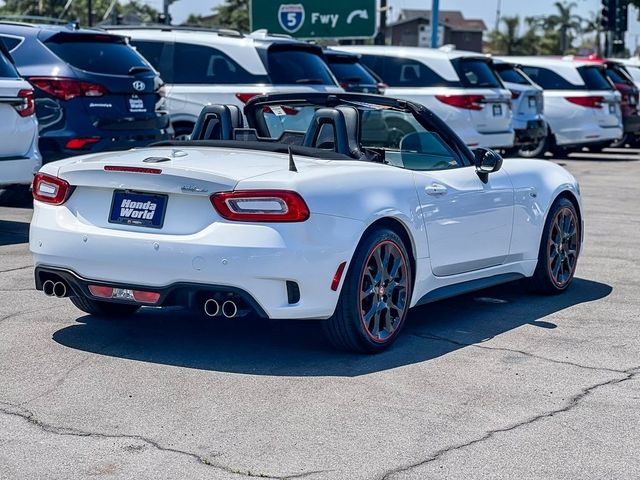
(487, 161)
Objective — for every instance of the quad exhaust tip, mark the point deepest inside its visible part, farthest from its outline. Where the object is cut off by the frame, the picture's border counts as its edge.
(54, 289)
(211, 308)
(48, 287)
(229, 309)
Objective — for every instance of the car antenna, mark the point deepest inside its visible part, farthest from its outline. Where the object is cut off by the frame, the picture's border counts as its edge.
(292, 164)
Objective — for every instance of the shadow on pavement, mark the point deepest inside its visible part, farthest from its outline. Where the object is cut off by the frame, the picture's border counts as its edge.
(13, 233)
(297, 348)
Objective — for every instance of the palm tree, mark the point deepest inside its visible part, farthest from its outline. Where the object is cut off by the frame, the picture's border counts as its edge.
(568, 24)
(507, 41)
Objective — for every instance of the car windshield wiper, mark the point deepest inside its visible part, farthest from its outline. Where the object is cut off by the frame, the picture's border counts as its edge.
(310, 81)
(138, 69)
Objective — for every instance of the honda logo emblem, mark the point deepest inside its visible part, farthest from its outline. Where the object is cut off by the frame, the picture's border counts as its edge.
(139, 85)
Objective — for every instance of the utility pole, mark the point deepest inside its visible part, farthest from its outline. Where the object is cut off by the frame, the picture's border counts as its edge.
(435, 22)
(90, 13)
(498, 14)
(380, 38)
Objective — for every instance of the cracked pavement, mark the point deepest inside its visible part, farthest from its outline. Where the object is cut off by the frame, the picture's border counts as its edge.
(525, 387)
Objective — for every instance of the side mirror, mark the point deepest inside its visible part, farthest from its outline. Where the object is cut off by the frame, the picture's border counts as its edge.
(487, 161)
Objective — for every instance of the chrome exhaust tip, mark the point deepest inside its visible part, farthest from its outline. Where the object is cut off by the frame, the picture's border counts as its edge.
(60, 290)
(48, 287)
(229, 309)
(211, 308)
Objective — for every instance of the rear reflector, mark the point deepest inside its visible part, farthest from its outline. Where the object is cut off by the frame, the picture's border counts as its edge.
(468, 102)
(117, 168)
(335, 283)
(589, 102)
(50, 189)
(139, 296)
(81, 143)
(261, 206)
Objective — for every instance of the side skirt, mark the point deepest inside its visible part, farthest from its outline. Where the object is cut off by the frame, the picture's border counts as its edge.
(467, 287)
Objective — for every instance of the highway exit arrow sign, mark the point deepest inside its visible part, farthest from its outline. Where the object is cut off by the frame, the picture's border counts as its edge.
(316, 18)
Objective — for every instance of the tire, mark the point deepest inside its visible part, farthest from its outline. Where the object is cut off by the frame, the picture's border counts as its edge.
(366, 287)
(16, 196)
(536, 150)
(559, 250)
(104, 309)
(627, 139)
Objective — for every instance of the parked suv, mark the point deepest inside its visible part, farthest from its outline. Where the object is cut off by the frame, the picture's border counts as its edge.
(352, 75)
(581, 106)
(622, 80)
(203, 67)
(527, 105)
(93, 91)
(460, 87)
(19, 156)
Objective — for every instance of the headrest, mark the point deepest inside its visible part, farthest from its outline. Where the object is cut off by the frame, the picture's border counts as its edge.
(217, 122)
(345, 121)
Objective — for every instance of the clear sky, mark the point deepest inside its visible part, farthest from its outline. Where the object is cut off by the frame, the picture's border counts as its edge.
(485, 9)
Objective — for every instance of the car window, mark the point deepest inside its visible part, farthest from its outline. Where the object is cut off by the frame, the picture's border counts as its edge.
(154, 53)
(7, 70)
(10, 42)
(617, 75)
(197, 64)
(298, 67)
(404, 72)
(511, 75)
(351, 72)
(550, 80)
(594, 78)
(634, 72)
(476, 73)
(97, 54)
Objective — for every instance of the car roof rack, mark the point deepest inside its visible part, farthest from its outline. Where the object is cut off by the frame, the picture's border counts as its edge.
(34, 19)
(225, 32)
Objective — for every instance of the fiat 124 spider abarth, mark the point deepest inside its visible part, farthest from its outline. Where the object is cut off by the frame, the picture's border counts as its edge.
(348, 208)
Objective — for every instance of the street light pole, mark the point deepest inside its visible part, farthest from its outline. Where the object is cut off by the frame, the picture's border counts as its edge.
(90, 13)
(435, 20)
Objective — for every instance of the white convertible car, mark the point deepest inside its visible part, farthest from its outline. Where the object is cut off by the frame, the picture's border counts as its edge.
(344, 207)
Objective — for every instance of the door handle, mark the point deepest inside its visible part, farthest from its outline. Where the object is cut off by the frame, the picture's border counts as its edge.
(435, 189)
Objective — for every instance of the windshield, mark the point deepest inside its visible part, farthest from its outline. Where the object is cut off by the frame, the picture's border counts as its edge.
(510, 74)
(476, 73)
(594, 78)
(351, 71)
(298, 67)
(102, 54)
(389, 135)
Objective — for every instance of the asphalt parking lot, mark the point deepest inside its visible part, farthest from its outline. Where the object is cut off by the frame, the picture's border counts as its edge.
(498, 384)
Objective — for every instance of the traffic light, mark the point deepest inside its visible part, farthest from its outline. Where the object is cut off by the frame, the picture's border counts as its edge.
(614, 15)
(604, 14)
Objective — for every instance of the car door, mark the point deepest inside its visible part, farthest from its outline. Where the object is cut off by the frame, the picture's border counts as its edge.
(468, 221)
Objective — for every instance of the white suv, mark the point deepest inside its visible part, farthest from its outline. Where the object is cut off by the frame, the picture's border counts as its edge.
(204, 67)
(460, 87)
(581, 106)
(19, 155)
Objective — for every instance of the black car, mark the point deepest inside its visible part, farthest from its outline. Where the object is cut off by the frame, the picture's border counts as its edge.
(352, 75)
(93, 91)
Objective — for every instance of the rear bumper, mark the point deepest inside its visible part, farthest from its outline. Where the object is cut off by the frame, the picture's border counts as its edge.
(257, 259)
(20, 171)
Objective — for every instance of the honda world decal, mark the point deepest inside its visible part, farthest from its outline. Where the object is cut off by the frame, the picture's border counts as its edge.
(139, 210)
(139, 85)
(291, 17)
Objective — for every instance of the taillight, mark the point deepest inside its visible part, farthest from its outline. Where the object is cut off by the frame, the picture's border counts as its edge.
(81, 143)
(28, 106)
(261, 206)
(514, 94)
(468, 102)
(382, 87)
(589, 102)
(245, 97)
(162, 91)
(50, 189)
(67, 88)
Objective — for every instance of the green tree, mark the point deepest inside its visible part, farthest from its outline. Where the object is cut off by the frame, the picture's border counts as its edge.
(234, 14)
(566, 23)
(506, 42)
